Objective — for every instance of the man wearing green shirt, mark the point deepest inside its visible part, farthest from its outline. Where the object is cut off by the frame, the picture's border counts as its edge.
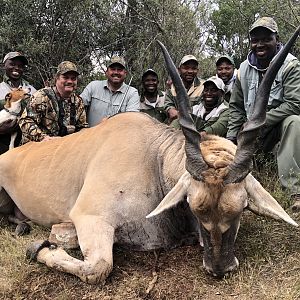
(211, 114)
(283, 120)
(188, 70)
(152, 100)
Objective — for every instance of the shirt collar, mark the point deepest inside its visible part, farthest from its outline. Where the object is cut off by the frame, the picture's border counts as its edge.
(121, 89)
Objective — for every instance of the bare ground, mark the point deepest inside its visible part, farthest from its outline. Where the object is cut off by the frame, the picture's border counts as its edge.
(268, 252)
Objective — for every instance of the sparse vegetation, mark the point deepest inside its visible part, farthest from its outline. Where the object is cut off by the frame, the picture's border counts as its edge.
(268, 251)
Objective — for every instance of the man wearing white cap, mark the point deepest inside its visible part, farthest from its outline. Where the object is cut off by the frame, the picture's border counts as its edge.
(188, 70)
(282, 120)
(14, 65)
(211, 114)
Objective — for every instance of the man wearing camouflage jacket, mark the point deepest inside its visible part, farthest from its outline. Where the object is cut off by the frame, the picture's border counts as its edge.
(54, 111)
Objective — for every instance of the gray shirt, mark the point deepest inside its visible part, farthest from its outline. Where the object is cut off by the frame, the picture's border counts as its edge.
(102, 102)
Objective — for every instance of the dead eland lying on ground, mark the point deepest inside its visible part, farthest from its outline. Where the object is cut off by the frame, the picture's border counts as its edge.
(107, 179)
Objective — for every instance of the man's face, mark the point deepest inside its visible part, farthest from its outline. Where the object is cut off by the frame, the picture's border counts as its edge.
(263, 43)
(188, 71)
(150, 83)
(225, 71)
(14, 68)
(116, 74)
(66, 83)
(211, 95)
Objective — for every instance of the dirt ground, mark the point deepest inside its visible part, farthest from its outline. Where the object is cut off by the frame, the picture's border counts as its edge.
(268, 252)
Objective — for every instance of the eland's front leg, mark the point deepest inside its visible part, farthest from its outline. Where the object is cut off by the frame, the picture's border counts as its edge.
(95, 238)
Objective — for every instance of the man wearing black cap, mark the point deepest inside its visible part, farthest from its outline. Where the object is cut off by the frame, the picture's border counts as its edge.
(283, 120)
(14, 65)
(54, 111)
(226, 72)
(152, 100)
(104, 98)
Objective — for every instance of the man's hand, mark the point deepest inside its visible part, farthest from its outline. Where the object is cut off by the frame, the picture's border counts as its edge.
(172, 113)
(8, 126)
(49, 138)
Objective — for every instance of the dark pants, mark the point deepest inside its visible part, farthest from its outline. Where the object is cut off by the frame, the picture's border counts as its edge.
(5, 140)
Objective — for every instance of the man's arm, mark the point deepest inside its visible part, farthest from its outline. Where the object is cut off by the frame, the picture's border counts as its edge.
(133, 102)
(31, 117)
(86, 95)
(237, 114)
(170, 107)
(291, 95)
(80, 115)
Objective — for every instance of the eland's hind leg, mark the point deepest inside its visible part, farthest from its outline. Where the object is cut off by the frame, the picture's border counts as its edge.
(95, 238)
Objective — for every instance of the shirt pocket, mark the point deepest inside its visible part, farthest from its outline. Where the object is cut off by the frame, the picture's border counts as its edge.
(275, 93)
(250, 99)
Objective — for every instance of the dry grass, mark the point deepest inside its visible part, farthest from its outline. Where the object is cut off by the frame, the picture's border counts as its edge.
(268, 251)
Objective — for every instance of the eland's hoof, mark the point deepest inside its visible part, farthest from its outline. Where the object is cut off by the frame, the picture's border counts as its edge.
(34, 248)
(22, 229)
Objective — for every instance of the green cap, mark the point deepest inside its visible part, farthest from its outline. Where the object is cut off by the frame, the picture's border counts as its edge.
(67, 66)
(12, 55)
(149, 71)
(117, 60)
(225, 58)
(266, 22)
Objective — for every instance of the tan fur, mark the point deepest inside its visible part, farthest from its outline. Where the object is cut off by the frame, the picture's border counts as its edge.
(110, 177)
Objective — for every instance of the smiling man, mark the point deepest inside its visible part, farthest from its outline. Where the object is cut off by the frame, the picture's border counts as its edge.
(225, 71)
(14, 65)
(188, 70)
(283, 120)
(211, 114)
(152, 100)
(54, 111)
(104, 98)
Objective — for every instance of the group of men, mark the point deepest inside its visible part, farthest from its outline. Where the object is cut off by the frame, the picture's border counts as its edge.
(220, 105)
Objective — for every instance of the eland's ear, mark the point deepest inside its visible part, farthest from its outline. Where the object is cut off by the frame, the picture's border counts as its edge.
(175, 196)
(262, 203)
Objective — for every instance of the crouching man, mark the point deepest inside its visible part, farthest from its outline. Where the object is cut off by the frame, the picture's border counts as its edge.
(54, 111)
(211, 114)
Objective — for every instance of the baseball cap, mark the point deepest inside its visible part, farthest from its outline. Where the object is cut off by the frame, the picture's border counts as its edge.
(226, 58)
(217, 81)
(149, 71)
(117, 60)
(266, 22)
(67, 66)
(12, 55)
(187, 58)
